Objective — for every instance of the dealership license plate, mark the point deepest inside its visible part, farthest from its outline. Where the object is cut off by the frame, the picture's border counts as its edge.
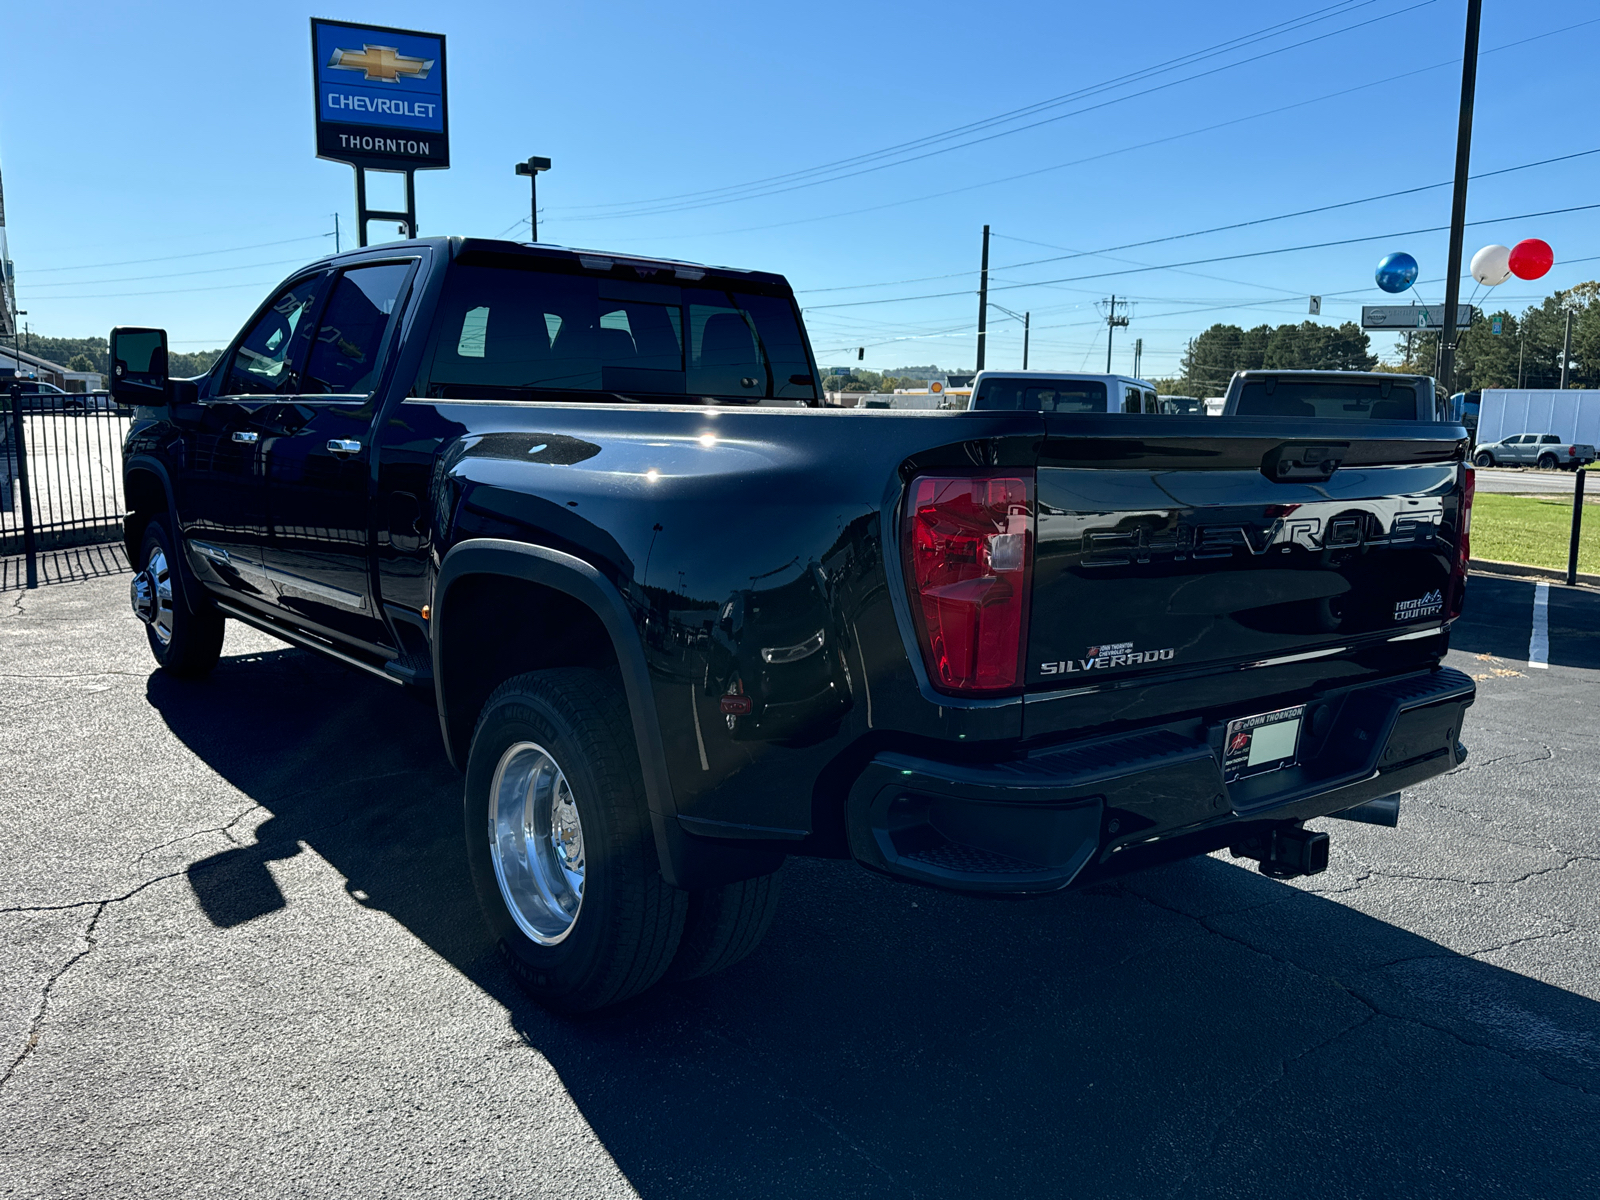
(1265, 742)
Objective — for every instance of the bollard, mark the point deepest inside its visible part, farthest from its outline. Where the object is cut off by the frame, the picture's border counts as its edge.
(1577, 524)
(28, 547)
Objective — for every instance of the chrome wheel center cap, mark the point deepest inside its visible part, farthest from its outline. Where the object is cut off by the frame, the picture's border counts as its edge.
(142, 592)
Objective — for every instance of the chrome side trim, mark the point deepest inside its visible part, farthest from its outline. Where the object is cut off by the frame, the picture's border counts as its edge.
(295, 585)
(1417, 633)
(1293, 658)
(304, 640)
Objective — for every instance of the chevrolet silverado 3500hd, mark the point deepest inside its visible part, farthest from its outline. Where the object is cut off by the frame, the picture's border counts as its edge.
(679, 622)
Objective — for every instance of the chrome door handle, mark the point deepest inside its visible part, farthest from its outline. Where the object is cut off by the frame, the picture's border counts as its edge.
(344, 446)
(248, 436)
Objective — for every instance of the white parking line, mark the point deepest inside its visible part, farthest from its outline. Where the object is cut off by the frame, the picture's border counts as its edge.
(1539, 643)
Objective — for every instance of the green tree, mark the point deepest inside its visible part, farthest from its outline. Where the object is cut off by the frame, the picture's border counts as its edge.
(1213, 357)
(81, 362)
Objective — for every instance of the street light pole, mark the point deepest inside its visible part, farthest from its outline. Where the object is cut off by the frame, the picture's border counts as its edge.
(1458, 200)
(1566, 349)
(531, 169)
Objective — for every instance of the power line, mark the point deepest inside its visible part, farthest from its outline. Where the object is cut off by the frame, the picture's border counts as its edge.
(689, 205)
(134, 262)
(1217, 258)
(32, 287)
(988, 122)
(926, 196)
(1303, 212)
(221, 287)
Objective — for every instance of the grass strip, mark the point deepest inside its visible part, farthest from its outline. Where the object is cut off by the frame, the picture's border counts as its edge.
(1534, 531)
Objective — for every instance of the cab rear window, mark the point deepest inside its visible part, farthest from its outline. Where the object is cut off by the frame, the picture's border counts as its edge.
(1379, 401)
(508, 333)
(1077, 396)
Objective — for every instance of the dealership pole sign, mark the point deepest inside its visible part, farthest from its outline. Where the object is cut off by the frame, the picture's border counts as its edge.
(381, 105)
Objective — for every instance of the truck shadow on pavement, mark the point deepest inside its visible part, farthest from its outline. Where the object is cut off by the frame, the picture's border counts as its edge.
(1198, 1030)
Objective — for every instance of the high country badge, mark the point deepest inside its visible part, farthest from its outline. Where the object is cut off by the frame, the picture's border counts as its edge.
(1430, 605)
(1101, 658)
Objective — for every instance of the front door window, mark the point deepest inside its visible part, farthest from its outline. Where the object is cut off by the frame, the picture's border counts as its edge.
(269, 355)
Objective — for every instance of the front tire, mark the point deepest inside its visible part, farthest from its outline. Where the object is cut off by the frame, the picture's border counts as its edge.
(560, 846)
(1483, 459)
(186, 644)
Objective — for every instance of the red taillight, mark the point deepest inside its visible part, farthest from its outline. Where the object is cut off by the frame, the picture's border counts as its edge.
(1572, 451)
(969, 557)
(1458, 576)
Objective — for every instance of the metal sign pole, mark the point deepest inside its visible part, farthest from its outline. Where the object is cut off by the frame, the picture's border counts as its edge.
(365, 214)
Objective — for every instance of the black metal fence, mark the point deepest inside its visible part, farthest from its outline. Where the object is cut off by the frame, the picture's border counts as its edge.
(60, 470)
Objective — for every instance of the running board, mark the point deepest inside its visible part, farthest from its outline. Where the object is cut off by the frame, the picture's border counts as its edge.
(304, 640)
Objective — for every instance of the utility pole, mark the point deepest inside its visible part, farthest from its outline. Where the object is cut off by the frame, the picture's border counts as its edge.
(1522, 335)
(1566, 349)
(531, 169)
(336, 233)
(983, 299)
(1112, 321)
(1138, 353)
(1026, 321)
(1458, 200)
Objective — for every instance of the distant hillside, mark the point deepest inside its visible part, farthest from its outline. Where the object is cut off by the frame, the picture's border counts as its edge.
(91, 354)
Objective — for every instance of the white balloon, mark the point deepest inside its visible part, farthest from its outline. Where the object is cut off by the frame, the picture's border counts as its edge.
(1492, 265)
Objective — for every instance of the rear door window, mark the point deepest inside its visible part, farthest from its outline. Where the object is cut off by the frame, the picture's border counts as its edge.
(349, 345)
(1346, 400)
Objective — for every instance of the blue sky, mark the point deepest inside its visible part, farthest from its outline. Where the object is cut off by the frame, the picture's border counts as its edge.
(159, 162)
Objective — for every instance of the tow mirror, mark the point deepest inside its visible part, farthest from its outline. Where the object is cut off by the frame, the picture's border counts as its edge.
(139, 366)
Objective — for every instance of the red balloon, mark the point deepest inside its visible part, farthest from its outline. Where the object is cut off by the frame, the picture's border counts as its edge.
(1531, 258)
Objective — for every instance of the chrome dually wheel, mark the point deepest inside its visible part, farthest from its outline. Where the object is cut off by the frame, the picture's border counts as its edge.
(152, 595)
(536, 842)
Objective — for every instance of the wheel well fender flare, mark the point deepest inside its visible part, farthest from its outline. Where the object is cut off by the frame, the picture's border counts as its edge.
(580, 580)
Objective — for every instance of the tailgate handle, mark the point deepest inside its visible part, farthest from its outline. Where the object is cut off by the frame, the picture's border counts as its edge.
(1296, 462)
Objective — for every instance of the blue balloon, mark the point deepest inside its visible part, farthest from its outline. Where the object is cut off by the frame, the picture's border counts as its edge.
(1396, 272)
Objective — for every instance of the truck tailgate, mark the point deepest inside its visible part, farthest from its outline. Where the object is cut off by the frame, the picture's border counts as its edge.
(1195, 550)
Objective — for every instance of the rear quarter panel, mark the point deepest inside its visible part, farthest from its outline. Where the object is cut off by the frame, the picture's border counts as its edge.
(729, 531)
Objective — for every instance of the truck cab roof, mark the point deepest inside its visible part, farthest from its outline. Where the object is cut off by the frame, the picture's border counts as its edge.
(566, 257)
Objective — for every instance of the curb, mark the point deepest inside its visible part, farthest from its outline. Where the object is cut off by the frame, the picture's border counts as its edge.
(1489, 567)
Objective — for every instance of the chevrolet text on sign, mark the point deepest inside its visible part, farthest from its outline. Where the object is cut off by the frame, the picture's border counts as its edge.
(380, 96)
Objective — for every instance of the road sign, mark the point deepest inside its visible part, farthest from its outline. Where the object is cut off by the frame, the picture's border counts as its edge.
(1495, 327)
(1411, 316)
(1316, 306)
(380, 96)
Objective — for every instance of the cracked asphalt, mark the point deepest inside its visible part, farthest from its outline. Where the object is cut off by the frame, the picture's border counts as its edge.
(242, 957)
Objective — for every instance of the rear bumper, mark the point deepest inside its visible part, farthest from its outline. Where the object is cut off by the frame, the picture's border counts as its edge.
(1070, 814)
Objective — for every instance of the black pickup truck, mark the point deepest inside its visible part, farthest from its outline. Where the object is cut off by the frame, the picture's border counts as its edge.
(681, 622)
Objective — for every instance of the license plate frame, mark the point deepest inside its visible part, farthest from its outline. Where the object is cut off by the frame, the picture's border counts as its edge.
(1243, 756)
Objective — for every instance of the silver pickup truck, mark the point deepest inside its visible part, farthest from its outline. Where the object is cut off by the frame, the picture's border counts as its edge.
(1545, 450)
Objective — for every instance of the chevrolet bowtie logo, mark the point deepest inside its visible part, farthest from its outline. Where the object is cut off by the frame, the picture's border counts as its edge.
(383, 63)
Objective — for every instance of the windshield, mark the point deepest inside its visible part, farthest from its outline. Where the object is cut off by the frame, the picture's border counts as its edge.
(505, 330)
(1183, 406)
(1362, 400)
(1064, 396)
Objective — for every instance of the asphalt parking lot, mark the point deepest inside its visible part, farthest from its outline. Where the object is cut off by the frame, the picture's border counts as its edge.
(242, 957)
